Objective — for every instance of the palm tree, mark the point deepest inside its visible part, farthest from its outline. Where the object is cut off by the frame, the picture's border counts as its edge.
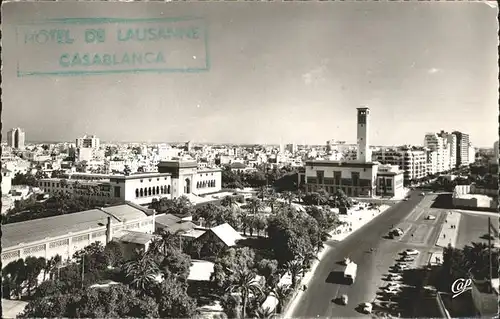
(288, 197)
(228, 201)
(264, 313)
(281, 292)
(295, 268)
(272, 199)
(142, 271)
(246, 285)
(255, 205)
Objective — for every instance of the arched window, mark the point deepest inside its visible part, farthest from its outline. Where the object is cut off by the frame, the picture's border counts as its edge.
(141, 192)
(154, 190)
(187, 186)
(149, 191)
(168, 189)
(197, 184)
(157, 189)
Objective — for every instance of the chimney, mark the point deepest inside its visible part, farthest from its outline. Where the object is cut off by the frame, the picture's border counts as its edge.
(109, 235)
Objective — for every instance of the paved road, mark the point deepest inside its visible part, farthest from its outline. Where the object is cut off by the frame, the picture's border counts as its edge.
(325, 284)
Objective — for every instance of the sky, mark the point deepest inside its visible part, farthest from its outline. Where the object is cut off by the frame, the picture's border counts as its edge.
(279, 73)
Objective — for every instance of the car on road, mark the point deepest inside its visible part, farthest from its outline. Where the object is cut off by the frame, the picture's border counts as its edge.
(367, 307)
(393, 285)
(392, 291)
(422, 194)
(487, 236)
(405, 199)
(347, 261)
(394, 277)
(402, 267)
(344, 299)
(430, 217)
(396, 232)
(410, 252)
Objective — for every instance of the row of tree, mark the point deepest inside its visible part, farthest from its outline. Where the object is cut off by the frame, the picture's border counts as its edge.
(283, 178)
(151, 284)
(58, 204)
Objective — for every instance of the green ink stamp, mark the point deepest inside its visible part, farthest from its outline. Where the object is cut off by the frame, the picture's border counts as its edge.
(86, 46)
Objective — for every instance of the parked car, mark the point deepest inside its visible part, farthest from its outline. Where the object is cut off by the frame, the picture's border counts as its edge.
(347, 261)
(430, 217)
(395, 277)
(410, 252)
(402, 267)
(422, 194)
(405, 199)
(391, 291)
(344, 299)
(367, 307)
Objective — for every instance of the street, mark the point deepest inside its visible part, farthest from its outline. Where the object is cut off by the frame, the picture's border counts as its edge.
(326, 284)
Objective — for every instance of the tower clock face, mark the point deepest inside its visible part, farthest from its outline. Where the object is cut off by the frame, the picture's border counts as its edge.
(361, 118)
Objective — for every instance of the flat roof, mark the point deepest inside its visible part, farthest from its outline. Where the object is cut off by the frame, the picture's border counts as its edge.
(341, 163)
(42, 228)
(179, 164)
(139, 176)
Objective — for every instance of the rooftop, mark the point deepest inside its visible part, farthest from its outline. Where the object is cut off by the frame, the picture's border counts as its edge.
(135, 237)
(44, 228)
(227, 234)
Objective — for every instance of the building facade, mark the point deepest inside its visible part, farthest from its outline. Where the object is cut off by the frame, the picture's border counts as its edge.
(413, 162)
(355, 179)
(463, 144)
(435, 143)
(66, 234)
(16, 138)
(390, 181)
(364, 151)
(188, 179)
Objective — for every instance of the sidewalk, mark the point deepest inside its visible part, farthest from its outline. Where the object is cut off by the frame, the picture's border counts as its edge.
(448, 235)
(358, 220)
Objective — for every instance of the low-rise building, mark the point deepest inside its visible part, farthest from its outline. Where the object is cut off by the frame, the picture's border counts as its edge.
(63, 235)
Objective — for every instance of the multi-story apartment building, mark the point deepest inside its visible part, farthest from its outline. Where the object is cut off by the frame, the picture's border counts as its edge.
(87, 149)
(463, 147)
(88, 142)
(439, 144)
(451, 140)
(413, 162)
(16, 138)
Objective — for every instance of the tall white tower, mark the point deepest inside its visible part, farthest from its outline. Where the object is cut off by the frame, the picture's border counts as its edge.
(364, 152)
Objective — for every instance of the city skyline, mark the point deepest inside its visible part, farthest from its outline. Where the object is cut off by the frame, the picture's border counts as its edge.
(437, 70)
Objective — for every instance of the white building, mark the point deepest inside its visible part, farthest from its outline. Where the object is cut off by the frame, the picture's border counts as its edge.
(16, 138)
(88, 142)
(413, 162)
(174, 179)
(6, 181)
(440, 145)
(63, 235)
(355, 178)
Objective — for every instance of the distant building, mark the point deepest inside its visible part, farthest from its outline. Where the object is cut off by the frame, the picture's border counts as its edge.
(16, 138)
(88, 142)
(291, 148)
(355, 178)
(6, 181)
(188, 179)
(87, 149)
(439, 144)
(413, 162)
(189, 146)
(463, 144)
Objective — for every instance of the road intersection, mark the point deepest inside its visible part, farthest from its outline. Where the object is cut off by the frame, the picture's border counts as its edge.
(325, 285)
